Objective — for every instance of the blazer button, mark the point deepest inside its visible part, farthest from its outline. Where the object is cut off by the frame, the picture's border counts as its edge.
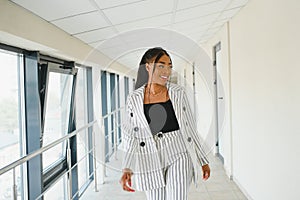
(136, 128)
(183, 108)
(189, 139)
(142, 144)
(131, 114)
(160, 135)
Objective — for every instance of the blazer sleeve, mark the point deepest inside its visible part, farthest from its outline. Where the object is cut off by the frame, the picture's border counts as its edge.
(191, 125)
(128, 138)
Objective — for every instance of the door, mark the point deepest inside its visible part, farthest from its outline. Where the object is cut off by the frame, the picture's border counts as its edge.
(220, 106)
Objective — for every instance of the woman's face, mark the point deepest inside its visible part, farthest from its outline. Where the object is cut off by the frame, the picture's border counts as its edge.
(162, 71)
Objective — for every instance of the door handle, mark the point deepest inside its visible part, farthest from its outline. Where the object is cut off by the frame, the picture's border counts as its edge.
(220, 98)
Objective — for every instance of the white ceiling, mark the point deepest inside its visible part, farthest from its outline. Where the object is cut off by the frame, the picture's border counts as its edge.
(96, 21)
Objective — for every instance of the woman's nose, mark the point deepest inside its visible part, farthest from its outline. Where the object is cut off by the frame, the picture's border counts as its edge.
(167, 70)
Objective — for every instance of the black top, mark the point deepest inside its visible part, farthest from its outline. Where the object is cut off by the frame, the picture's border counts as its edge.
(161, 117)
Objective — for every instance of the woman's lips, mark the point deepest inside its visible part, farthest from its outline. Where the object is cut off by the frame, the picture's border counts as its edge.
(164, 77)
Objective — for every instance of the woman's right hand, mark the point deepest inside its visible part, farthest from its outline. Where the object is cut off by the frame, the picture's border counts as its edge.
(125, 181)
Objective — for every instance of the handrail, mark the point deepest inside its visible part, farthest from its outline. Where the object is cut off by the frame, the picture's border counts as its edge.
(111, 113)
(13, 165)
(42, 149)
(49, 146)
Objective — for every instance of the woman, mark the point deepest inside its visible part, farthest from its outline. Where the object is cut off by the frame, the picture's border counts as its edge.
(161, 145)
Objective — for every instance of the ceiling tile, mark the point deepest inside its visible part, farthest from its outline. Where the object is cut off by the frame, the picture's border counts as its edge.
(131, 61)
(193, 35)
(140, 10)
(112, 43)
(219, 23)
(213, 31)
(82, 23)
(200, 11)
(196, 36)
(130, 56)
(205, 38)
(237, 3)
(227, 14)
(142, 38)
(96, 35)
(146, 43)
(190, 27)
(104, 4)
(56, 9)
(184, 4)
(194, 23)
(151, 22)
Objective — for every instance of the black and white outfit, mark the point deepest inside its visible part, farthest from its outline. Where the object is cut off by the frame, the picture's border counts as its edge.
(161, 145)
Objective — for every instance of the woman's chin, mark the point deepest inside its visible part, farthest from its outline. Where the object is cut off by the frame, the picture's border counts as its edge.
(163, 83)
(160, 83)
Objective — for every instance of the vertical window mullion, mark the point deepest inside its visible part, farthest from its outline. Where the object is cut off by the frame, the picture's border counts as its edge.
(90, 113)
(104, 110)
(118, 107)
(33, 124)
(113, 107)
(73, 142)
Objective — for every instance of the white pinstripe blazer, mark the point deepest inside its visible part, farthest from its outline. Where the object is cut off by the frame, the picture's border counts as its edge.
(140, 152)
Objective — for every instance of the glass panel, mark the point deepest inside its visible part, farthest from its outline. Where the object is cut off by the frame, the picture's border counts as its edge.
(9, 108)
(82, 149)
(57, 115)
(81, 120)
(58, 191)
(11, 67)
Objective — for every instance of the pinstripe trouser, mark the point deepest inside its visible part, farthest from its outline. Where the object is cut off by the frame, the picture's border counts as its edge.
(178, 170)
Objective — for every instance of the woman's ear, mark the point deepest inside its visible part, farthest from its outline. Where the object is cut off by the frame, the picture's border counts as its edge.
(147, 67)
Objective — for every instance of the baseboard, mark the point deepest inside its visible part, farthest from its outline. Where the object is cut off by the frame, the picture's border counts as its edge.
(220, 157)
(242, 189)
(228, 173)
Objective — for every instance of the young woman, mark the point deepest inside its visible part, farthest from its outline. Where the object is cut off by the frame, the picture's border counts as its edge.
(161, 144)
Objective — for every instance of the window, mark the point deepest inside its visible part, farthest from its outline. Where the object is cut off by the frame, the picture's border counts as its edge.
(56, 116)
(11, 130)
(81, 120)
(58, 191)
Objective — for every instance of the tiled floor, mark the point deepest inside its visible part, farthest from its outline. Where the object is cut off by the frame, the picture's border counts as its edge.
(218, 187)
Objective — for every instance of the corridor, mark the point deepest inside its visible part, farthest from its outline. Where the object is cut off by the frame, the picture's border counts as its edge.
(217, 187)
(68, 68)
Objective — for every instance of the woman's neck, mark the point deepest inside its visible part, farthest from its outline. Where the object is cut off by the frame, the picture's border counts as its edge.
(155, 93)
(155, 88)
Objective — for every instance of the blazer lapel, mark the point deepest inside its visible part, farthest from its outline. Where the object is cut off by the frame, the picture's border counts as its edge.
(140, 109)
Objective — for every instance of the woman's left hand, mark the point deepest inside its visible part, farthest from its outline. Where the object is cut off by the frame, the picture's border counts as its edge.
(206, 172)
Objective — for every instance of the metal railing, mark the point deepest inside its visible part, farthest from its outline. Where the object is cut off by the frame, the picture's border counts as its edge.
(12, 166)
(115, 115)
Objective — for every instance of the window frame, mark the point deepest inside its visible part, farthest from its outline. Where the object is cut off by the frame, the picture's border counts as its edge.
(59, 167)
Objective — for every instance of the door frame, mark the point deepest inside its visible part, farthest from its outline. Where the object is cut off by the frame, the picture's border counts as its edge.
(216, 49)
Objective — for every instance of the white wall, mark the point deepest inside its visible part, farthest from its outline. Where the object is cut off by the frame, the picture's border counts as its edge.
(225, 141)
(265, 70)
(200, 99)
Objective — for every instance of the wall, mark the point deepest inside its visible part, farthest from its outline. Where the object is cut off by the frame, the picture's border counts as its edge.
(225, 133)
(265, 98)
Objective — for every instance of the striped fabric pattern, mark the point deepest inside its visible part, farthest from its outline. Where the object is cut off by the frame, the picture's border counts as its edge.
(178, 179)
(140, 148)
